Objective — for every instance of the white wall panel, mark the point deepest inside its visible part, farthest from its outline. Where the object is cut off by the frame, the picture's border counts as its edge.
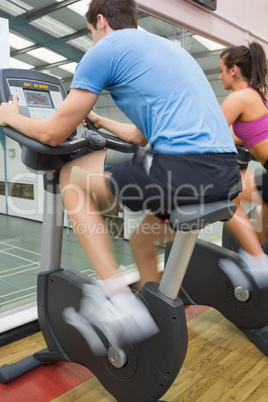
(233, 22)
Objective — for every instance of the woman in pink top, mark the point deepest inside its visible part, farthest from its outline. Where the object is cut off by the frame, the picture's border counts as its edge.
(244, 71)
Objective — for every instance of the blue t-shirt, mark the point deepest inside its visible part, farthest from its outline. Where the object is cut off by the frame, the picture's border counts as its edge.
(160, 88)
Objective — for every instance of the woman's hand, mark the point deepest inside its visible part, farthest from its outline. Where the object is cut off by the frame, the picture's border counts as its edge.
(6, 109)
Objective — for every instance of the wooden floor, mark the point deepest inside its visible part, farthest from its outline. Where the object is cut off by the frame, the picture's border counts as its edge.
(221, 365)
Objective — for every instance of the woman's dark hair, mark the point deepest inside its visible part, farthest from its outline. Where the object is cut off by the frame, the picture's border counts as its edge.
(252, 63)
(120, 14)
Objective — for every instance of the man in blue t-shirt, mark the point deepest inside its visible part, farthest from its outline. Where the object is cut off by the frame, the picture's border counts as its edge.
(164, 92)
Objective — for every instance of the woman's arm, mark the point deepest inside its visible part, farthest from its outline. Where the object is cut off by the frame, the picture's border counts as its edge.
(232, 107)
(237, 140)
(125, 131)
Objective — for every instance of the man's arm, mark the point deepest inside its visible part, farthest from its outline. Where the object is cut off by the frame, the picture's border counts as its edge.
(125, 131)
(56, 129)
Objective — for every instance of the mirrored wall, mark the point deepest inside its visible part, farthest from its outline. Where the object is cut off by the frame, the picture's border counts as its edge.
(21, 191)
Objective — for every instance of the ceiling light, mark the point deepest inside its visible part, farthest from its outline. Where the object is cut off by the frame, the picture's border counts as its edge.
(80, 7)
(69, 67)
(83, 43)
(14, 9)
(209, 44)
(53, 27)
(15, 63)
(47, 71)
(46, 55)
(17, 42)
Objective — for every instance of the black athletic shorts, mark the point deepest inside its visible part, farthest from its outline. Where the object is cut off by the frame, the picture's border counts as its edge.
(160, 182)
(261, 179)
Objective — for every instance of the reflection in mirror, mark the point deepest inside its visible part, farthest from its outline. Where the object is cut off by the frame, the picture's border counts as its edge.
(20, 238)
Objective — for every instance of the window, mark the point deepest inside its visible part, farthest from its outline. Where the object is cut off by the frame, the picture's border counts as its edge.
(21, 190)
(2, 188)
(27, 191)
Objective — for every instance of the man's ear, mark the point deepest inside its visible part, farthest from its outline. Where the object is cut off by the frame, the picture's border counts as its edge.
(102, 21)
(103, 24)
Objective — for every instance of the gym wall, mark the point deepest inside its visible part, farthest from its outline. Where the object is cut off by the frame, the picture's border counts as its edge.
(232, 23)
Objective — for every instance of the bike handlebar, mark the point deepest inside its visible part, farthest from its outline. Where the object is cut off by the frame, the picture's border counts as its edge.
(92, 140)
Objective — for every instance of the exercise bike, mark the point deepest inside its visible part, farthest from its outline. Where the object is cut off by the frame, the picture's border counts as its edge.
(234, 293)
(228, 239)
(135, 372)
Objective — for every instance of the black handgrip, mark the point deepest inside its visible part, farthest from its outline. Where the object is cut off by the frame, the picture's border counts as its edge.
(9, 372)
(91, 126)
(112, 141)
(65, 148)
(95, 140)
(243, 157)
(241, 148)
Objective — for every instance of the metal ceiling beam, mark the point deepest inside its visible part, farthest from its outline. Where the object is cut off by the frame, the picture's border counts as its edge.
(67, 79)
(44, 39)
(141, 14)
(33, 15)
(47, 66)
(56, 41)
(17, 52)
(212, 71)
(207, 53)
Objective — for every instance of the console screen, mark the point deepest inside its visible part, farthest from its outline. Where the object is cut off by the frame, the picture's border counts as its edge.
(38, 98)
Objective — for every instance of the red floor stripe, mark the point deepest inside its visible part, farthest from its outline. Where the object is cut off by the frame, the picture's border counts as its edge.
(48, 382)
(193, 311)
(45, 383)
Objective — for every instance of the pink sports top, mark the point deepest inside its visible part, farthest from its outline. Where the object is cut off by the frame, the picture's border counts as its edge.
(252, 132)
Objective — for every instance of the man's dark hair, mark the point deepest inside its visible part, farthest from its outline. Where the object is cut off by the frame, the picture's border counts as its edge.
(120, 14)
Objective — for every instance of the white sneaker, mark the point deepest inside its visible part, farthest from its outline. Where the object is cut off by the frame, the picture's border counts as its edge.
(72, 317)
(256, 266)
(122, 318)
(136, 319)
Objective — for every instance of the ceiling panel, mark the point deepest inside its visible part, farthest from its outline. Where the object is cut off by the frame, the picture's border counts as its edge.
(60, 26)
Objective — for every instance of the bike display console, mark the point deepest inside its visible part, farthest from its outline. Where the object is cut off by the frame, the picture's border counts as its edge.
(39, 94)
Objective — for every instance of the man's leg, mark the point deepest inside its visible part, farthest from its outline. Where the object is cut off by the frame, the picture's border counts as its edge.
(143, 245)
(79, 180)
(110, 307)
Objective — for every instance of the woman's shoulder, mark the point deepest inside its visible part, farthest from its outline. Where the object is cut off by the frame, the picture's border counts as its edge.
(245, 96)
(248, 93)
(245, 92)
(234, 98)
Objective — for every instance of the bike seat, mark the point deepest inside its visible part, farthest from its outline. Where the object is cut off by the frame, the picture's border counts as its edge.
(197, 216)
